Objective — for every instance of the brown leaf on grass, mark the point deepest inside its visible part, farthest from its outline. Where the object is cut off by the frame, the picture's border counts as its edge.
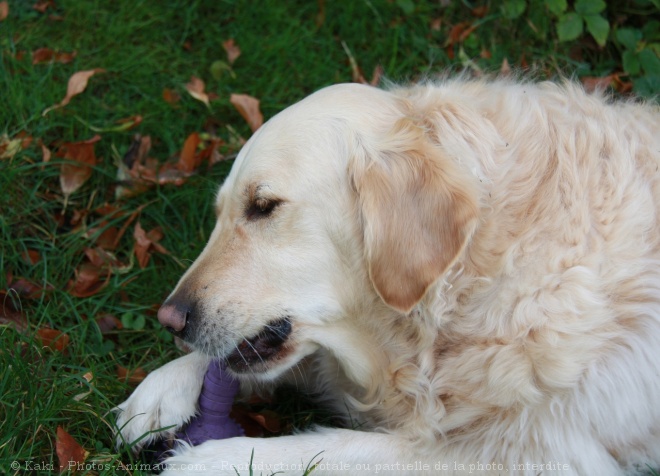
(480, 12)
(248, 107)
(88, 280)
(4, 10)
(232, 49)
(31, 257)
(128, 123)
(171, 96)
(77, 84)
(145, 242)
(108, 323)
(135, 174)
(26, 288)
(196, 89)
(10, 311)
(45, 154)
(26, 139)
(41, 7)
(47, 55)
(10, 147)
(613, 80)
(189, 160)
(102, 258)
(69, 452)
(109, 211)
(133, 377)
(211, 153)
(104, 236)
(75, 173)
(457, 33)
(53, 339)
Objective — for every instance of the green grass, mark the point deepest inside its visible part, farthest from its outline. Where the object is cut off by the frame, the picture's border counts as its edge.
(145, 47)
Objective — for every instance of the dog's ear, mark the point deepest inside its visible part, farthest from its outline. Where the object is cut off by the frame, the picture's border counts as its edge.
(418, 210)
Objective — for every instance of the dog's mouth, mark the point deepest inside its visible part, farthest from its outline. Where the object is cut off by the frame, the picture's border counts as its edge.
(265, 346)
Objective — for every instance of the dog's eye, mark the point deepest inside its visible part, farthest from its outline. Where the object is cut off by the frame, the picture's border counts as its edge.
(261, 208)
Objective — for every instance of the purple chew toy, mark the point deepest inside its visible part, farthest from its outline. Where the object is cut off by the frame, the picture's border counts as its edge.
(213, 421)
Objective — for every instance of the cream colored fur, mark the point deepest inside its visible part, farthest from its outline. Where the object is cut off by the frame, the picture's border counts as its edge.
(472, 271)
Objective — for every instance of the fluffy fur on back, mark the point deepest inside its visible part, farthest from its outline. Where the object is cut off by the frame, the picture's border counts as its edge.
(475, 278)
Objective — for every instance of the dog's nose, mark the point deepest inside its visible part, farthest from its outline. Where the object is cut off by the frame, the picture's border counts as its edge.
(173, 316)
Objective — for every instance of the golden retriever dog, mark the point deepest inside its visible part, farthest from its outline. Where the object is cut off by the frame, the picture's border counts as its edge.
(468, 269)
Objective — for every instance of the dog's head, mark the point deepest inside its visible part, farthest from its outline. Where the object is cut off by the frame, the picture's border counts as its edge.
(338, 206)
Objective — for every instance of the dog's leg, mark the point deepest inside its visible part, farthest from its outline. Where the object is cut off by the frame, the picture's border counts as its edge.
(333, 451)
(337, 452)
(166, 398)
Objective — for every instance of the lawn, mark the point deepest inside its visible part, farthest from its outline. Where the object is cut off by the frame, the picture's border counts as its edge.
(106, 199)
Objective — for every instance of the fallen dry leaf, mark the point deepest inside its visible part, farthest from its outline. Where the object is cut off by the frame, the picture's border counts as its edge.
(77, 84)
(10, 147)
(102, 258)
(43, 6)
(75, 173)
(613, 80)
(10, 311)
(107, 238)
(88, 280)
(26, 288)
(4, 10)
(69, 453)
(31, 257)
(47, 55)
(88, 377)
(480, 12)
(108, 323)
(134, 377)
(171, 96)
(133, 173)
(248, 107)
(188, 160)
(196, 89)
(53, 339)
(45, 154)
(129, 123)
(210, 151)
(457, 33)
(232, 49)
(145, 242)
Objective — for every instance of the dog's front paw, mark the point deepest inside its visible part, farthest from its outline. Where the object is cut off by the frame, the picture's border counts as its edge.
(162, 403)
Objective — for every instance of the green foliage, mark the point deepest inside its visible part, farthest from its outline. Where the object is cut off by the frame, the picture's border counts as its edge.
(640, 50)
(512, 9)
(132, 321)
(605, 38)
